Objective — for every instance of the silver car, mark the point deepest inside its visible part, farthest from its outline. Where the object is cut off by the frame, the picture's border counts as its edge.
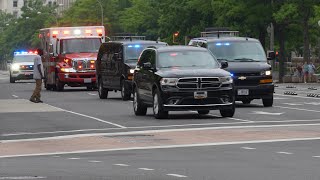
(21, 67)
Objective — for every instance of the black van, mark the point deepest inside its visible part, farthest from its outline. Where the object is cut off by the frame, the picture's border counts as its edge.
(247, 62)
(116, 63)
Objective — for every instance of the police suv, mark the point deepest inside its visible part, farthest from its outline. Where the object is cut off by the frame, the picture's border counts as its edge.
(247, 62)
(21, 67)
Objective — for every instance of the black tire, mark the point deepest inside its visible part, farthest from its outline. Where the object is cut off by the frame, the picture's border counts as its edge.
(267, 102)
(157, 106)
(203, 112)
(103, 92)
(12, 79)
(246, 101)
(125, 94)
(139, 108)
(228, 112)
(59, 85)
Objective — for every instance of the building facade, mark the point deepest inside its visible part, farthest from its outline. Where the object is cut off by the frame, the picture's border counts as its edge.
(14, 6)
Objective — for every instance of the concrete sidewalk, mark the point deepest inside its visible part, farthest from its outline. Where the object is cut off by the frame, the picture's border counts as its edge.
(2, 72)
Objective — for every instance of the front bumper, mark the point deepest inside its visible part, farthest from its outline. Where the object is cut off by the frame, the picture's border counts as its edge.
(184, 100)
(256, 92)
(22, 75)
(83, 79)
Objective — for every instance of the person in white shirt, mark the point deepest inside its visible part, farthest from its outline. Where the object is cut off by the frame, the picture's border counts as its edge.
(38, 76)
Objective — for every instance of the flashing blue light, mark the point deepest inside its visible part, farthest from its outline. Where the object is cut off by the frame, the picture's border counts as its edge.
(231, 74)
(20, 52)
(218, 44)
(137, 46)
(130, 46)
(227, 44)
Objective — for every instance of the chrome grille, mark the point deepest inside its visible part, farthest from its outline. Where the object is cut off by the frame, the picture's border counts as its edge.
(199, 83)
(85, 63)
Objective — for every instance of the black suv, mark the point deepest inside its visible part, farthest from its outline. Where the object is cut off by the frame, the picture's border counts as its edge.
(180, 78)
(248, 65)
(115, 65)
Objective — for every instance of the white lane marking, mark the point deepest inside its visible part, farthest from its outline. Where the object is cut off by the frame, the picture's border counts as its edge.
(15, 96)
(74, 158)
(236, 119)
(267, 113)
(94, 118)
(24, 177)
(312, 103)
(162, 147)
(279, 98)
(248, 148)
(123, 165)
(92, 94)
(281, 152)
(305, 97)
(91, 117)
(139, 127)
(154, 131)
(146, 169)
(177, 175)
(310, 110)
(94, 161)
(316, 156)
(293, 104)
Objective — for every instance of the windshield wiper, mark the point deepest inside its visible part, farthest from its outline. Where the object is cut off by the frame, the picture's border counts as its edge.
(245, 60)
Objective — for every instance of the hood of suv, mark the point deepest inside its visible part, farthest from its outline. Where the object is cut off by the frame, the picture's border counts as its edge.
(247, 67)
(191, 72)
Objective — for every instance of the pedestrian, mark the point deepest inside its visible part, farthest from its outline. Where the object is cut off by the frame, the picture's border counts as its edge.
(38, 76)
(311, 70)
(305, 70)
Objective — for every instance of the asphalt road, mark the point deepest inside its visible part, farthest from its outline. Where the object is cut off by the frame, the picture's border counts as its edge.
(75, 135)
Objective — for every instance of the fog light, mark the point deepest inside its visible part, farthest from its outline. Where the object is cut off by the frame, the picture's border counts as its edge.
(173, 101)
(225, 99)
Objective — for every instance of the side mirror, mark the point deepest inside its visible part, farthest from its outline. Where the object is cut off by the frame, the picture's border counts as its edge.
(51, 50)
(224, 64)
(117, 56)
(271, 55)
(147, 65)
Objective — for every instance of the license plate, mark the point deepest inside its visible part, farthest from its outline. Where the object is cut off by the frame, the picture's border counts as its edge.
(87, 80)
(243, 92)
(200, 94)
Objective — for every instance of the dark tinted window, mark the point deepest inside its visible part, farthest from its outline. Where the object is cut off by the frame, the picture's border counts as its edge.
(145, 57)
(132, 51)
(238, 51)
(186, 58)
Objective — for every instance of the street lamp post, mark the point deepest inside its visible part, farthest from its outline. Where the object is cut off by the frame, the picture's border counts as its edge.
(99, 2)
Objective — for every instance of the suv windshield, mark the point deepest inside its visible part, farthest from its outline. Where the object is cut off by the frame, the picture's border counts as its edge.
(201, 59)
(238, 51)
(85, 45)
(132, 51)
(24, 58)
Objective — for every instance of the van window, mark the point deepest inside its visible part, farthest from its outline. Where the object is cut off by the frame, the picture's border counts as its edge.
(243, 51)
(132, 51)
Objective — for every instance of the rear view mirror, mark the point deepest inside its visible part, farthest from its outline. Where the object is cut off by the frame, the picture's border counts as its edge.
(224, 64)
(271, 55)
(147, 65)
(51, 50)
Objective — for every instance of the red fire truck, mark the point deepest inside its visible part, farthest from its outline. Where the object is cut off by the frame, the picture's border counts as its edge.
(69, 55)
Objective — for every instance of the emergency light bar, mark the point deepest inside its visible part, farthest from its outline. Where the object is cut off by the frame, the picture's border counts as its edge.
(56, 33)
(25, 53)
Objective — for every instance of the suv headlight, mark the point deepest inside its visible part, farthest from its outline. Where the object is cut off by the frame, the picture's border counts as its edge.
(169, 81)
(226, 80)
(15, 67)
(68, 70)
(131, 71)
(266, 73)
